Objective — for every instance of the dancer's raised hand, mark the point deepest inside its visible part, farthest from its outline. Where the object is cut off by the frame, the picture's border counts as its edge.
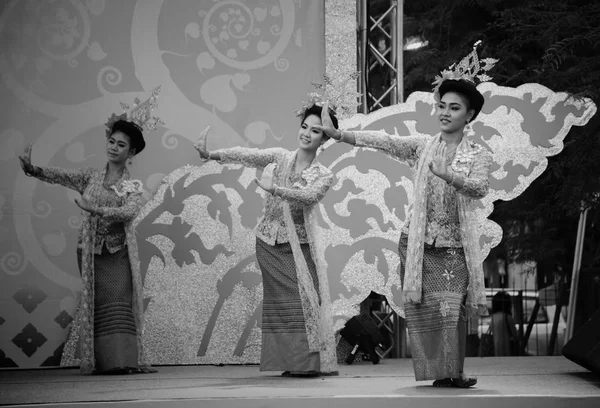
(200, 144)
(25, 159)
(327, 124)
(438, 164)
(266, 181)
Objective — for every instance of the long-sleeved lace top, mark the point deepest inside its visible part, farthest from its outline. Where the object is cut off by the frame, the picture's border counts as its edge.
(118, 202)
(302, 189)
(442, 228)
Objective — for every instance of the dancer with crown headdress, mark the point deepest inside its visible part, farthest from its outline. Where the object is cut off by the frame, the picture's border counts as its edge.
(297, 321)
(106, 334)
(441, 263)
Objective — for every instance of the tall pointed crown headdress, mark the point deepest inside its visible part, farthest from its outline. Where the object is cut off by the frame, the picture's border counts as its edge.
(469, 68)
(341, 94)
(139, 113)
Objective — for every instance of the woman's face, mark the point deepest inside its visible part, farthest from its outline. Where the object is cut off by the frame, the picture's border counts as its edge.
(118, 148)
(310, 138)
(453, 112)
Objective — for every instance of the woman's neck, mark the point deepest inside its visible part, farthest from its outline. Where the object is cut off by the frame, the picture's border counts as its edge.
(115, 169)
(304, 159)
(454, 138)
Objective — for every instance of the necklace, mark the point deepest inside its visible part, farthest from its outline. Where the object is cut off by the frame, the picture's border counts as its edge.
(450, 155)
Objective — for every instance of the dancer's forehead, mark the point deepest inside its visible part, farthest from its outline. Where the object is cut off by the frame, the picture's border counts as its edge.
(454, 98)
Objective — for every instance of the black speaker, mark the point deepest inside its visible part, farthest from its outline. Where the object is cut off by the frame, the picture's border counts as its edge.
(584, 346)
(363, 334)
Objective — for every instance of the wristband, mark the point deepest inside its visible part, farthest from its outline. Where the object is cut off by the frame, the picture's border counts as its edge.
(30, 172)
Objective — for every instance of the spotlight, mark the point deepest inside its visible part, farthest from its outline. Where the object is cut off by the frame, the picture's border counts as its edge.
(415, 43)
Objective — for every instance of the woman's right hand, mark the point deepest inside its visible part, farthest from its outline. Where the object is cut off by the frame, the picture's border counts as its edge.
(25, 159)
(266, 181)
(200, 145)
(327, 124)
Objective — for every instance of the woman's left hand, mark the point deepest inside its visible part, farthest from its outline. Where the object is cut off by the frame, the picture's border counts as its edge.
(438, 164)
(266, 181)
(200, 145)
(85, 205)
(327, 124)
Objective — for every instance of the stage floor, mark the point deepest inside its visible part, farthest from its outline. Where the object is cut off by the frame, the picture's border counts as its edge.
(530, 381)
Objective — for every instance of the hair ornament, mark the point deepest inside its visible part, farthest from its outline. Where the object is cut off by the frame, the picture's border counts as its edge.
(341, 94)
(469, 68)
(139, 113)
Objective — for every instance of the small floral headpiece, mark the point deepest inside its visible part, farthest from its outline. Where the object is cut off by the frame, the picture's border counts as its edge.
(139, 113)
(469, 69)
(341, 94)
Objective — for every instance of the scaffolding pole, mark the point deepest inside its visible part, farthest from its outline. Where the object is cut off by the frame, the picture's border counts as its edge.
(390, 26)
(576, 269)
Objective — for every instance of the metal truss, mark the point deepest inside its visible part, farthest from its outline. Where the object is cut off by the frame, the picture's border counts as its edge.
(380, 82)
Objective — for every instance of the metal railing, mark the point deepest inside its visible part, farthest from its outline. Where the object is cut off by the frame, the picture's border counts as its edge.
(538, 317)
(534, 319)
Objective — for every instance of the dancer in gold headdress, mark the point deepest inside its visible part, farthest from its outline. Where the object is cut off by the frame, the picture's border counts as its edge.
(441, 265)
(106, 334)
(297, 323)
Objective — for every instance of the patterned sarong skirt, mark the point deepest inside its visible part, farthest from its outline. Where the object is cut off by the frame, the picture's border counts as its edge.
(284, 339)
(115, 341)
(433, 324)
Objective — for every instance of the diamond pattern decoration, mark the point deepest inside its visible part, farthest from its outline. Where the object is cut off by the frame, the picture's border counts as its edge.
(6, 362)
(29, 340)
(63, 319)
(2, 320)
(30, 297)
(54, 359)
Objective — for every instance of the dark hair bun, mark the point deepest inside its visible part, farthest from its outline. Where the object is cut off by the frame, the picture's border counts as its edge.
(136, 138)
(467, 89)
(317, 110)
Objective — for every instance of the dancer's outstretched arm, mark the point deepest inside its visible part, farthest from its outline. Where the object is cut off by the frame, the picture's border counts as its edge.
(309, 195)
(249, 157)
(477, 183)
(405, 148)
(75, 179)
(124, 213)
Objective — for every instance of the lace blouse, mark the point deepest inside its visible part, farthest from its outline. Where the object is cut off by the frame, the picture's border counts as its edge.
(442, 219)
(299, 189)
(116, 208)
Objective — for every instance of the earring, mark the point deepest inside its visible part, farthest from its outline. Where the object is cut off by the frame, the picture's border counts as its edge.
(130, 161)
(320, 150)
(468, 131)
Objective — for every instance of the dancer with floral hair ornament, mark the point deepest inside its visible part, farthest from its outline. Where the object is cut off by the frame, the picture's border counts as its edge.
(105, 336)
(297, 321)
(441, 267)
